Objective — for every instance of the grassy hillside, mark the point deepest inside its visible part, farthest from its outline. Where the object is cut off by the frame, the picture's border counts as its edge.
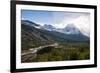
(31, 37)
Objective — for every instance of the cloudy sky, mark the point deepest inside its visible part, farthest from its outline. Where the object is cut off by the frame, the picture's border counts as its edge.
(58, 19)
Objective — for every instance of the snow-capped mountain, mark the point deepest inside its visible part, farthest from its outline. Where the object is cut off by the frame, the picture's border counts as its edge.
(69, 33)
(70, 29)
(48, 27)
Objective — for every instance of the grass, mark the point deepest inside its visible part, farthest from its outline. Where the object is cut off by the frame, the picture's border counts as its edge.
(61, 54)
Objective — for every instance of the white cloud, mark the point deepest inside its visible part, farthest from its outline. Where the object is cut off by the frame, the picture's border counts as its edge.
(80, 20)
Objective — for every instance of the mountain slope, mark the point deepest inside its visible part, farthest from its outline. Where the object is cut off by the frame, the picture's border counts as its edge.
(48, 27)
(32, 36)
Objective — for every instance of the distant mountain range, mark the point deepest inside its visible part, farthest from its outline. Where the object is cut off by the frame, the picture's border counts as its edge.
(34, 34)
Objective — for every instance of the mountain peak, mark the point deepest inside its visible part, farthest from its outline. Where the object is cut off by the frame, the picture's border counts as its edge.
(71, 29)
(48, 27)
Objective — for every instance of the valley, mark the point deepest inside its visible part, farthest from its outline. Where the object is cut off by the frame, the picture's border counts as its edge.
(41, 45)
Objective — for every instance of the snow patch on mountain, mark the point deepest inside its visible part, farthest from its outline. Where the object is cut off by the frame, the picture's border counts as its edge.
(48, 27)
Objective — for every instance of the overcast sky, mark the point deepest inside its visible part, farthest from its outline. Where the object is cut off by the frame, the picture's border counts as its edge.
(59, 19)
